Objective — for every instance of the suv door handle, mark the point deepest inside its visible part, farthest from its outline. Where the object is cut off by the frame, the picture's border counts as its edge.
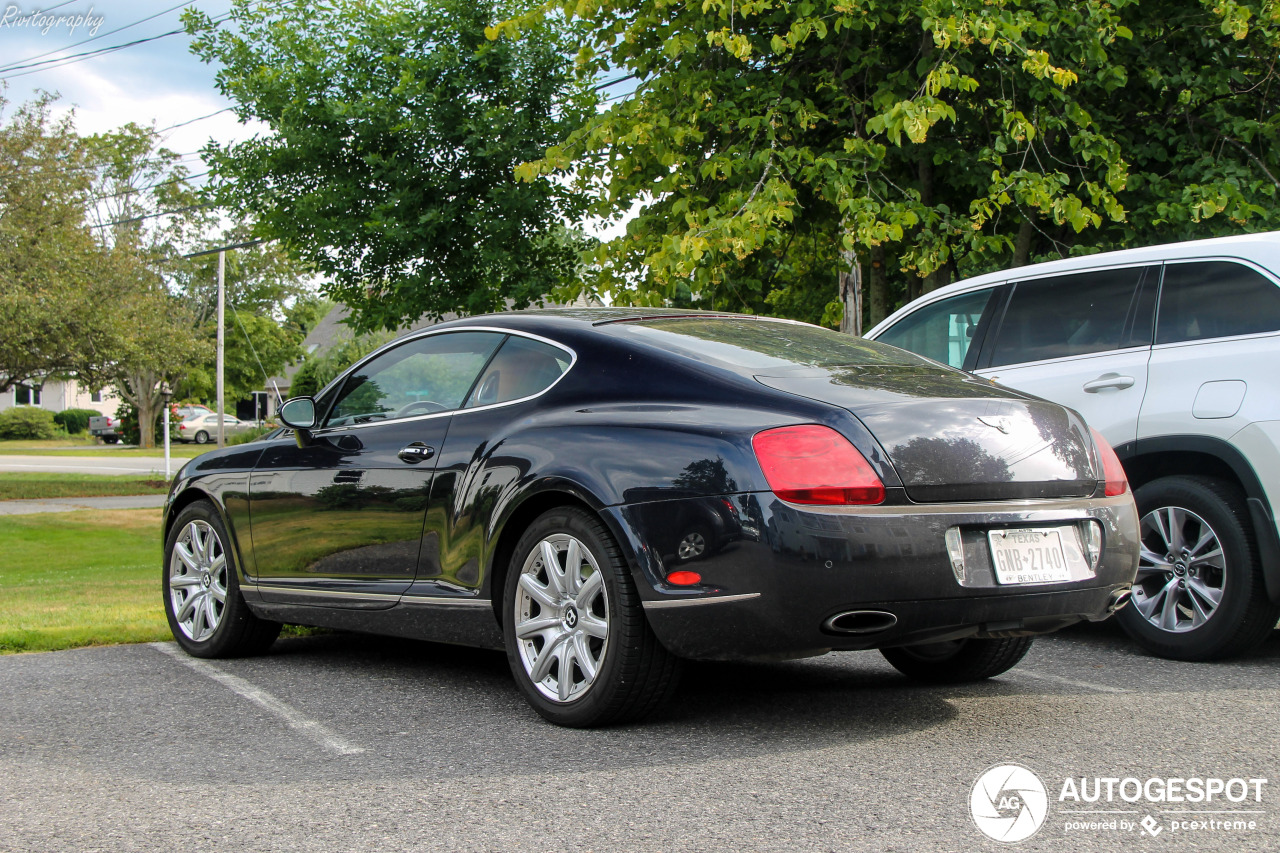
(1108, 380)
(416, 452)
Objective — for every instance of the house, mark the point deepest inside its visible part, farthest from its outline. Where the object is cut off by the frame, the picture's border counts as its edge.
(58, 394)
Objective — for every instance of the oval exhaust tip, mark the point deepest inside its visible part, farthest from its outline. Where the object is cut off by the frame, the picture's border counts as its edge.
(860, 622)
(1119, 599)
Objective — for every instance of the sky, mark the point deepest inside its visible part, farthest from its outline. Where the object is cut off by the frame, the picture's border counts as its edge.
(158, 82)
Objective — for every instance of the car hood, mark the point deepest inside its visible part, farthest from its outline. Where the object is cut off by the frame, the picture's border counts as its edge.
(955, 437)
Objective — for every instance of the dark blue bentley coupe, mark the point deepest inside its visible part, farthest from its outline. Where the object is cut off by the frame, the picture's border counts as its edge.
(604, 493)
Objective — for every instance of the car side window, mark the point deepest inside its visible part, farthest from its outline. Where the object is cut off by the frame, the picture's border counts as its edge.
(1215, 299)
(419, 377)
(1066, 315)
(942, 331)
(522, 368)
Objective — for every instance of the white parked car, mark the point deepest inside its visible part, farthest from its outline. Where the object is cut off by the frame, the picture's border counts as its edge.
(202, 427)
(1172, 353)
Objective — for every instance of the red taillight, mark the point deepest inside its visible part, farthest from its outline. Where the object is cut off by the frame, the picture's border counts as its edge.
(1112, 471)
(684, 578)
(182, 426)
(813, 464)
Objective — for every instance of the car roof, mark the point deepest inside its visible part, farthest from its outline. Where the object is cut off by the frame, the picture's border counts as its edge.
(1262, 249)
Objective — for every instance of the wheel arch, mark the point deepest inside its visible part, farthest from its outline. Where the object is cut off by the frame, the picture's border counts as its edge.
(194, 494)
(1149, 459)
(515, 519)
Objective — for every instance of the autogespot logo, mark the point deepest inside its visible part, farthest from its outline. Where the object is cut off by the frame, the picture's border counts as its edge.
(1009, 803)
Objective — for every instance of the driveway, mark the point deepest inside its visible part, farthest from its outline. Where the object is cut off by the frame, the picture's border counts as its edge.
(343, 742)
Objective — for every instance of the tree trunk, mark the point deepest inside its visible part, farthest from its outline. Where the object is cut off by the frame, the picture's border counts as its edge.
(851, 293)
(140, 390)
(878, 287)
(940, 277)
(1022, 246)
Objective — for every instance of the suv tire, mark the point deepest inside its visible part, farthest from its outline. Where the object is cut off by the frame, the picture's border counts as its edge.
(1199, 594)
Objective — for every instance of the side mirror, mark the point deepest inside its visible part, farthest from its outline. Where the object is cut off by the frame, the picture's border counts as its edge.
(299, 413)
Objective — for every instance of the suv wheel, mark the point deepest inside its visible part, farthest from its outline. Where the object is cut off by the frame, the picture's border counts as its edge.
(1199, 594)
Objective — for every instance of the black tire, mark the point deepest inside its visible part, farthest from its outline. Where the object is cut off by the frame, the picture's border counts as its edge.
(958, 661)
(634, 674)
(202, 437)
(1243, 617)
(111, 439)
(237, 632)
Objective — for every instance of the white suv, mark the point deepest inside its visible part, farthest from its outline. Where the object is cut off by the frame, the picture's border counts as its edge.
(1173, 354)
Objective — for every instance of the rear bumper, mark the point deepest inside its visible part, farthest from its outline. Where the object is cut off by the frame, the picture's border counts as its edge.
(769, 591)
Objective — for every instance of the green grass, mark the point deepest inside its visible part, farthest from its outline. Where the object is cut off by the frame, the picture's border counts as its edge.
(36, 486)
(80, 579)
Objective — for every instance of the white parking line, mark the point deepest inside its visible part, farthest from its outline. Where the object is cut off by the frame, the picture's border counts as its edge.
(1087, 685)
(291, 716)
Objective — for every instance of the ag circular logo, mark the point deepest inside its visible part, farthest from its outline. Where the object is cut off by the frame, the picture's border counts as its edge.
(1009, 803)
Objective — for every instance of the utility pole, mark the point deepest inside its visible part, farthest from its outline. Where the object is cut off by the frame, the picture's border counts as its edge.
(222, 298)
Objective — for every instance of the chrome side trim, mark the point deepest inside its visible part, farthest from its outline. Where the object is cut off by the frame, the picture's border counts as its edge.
(332, 593)
(693, 602)
(433, 600)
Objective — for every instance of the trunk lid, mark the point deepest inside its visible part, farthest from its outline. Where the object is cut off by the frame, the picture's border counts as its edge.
(955, 437)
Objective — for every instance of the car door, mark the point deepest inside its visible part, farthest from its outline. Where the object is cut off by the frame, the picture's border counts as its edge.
(1216, 337)
(339, 521)
(1082, 340)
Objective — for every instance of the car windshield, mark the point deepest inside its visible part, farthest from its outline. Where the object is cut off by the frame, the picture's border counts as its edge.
(761, 344)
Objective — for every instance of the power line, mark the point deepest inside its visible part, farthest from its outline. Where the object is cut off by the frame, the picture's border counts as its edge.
(59, 62)
(154, 215)
(15, 66)
(148, 186)
(194, 120)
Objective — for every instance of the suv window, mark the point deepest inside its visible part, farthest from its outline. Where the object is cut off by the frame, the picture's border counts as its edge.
(521, 369)
(942, 331)
(1065, 315)
(419, 377)
(1215, 299)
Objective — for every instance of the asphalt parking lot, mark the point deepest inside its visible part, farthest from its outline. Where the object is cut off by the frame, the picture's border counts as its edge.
(341, 742)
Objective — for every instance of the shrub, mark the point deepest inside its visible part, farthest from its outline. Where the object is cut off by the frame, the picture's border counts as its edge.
(75, 421)
(26, 422)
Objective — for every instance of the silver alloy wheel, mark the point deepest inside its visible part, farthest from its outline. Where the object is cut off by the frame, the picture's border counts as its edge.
(561, 618)
(1182, 571)
(692, 545)
(198, 580)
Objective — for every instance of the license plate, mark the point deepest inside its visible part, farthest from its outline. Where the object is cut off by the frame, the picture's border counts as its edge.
(1028, 556)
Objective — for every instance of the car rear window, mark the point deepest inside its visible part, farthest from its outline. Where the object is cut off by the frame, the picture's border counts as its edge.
(761, 344)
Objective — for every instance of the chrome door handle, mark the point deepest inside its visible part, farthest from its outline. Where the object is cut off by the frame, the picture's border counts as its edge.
(1108, 380)
(416, 452)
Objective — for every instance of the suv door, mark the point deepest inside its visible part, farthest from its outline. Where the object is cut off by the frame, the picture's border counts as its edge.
(1082, 340)
(1216, 339)
(339, 521)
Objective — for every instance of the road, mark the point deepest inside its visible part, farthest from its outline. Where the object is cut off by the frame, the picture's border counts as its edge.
(346, 743)
(135, 465)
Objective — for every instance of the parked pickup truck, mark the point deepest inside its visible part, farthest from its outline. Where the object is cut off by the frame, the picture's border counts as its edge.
(105, 428)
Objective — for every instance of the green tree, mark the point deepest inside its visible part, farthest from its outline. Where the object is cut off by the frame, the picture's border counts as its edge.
(47, 253)
(396, 127)
(777, 150)
(319, 369)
